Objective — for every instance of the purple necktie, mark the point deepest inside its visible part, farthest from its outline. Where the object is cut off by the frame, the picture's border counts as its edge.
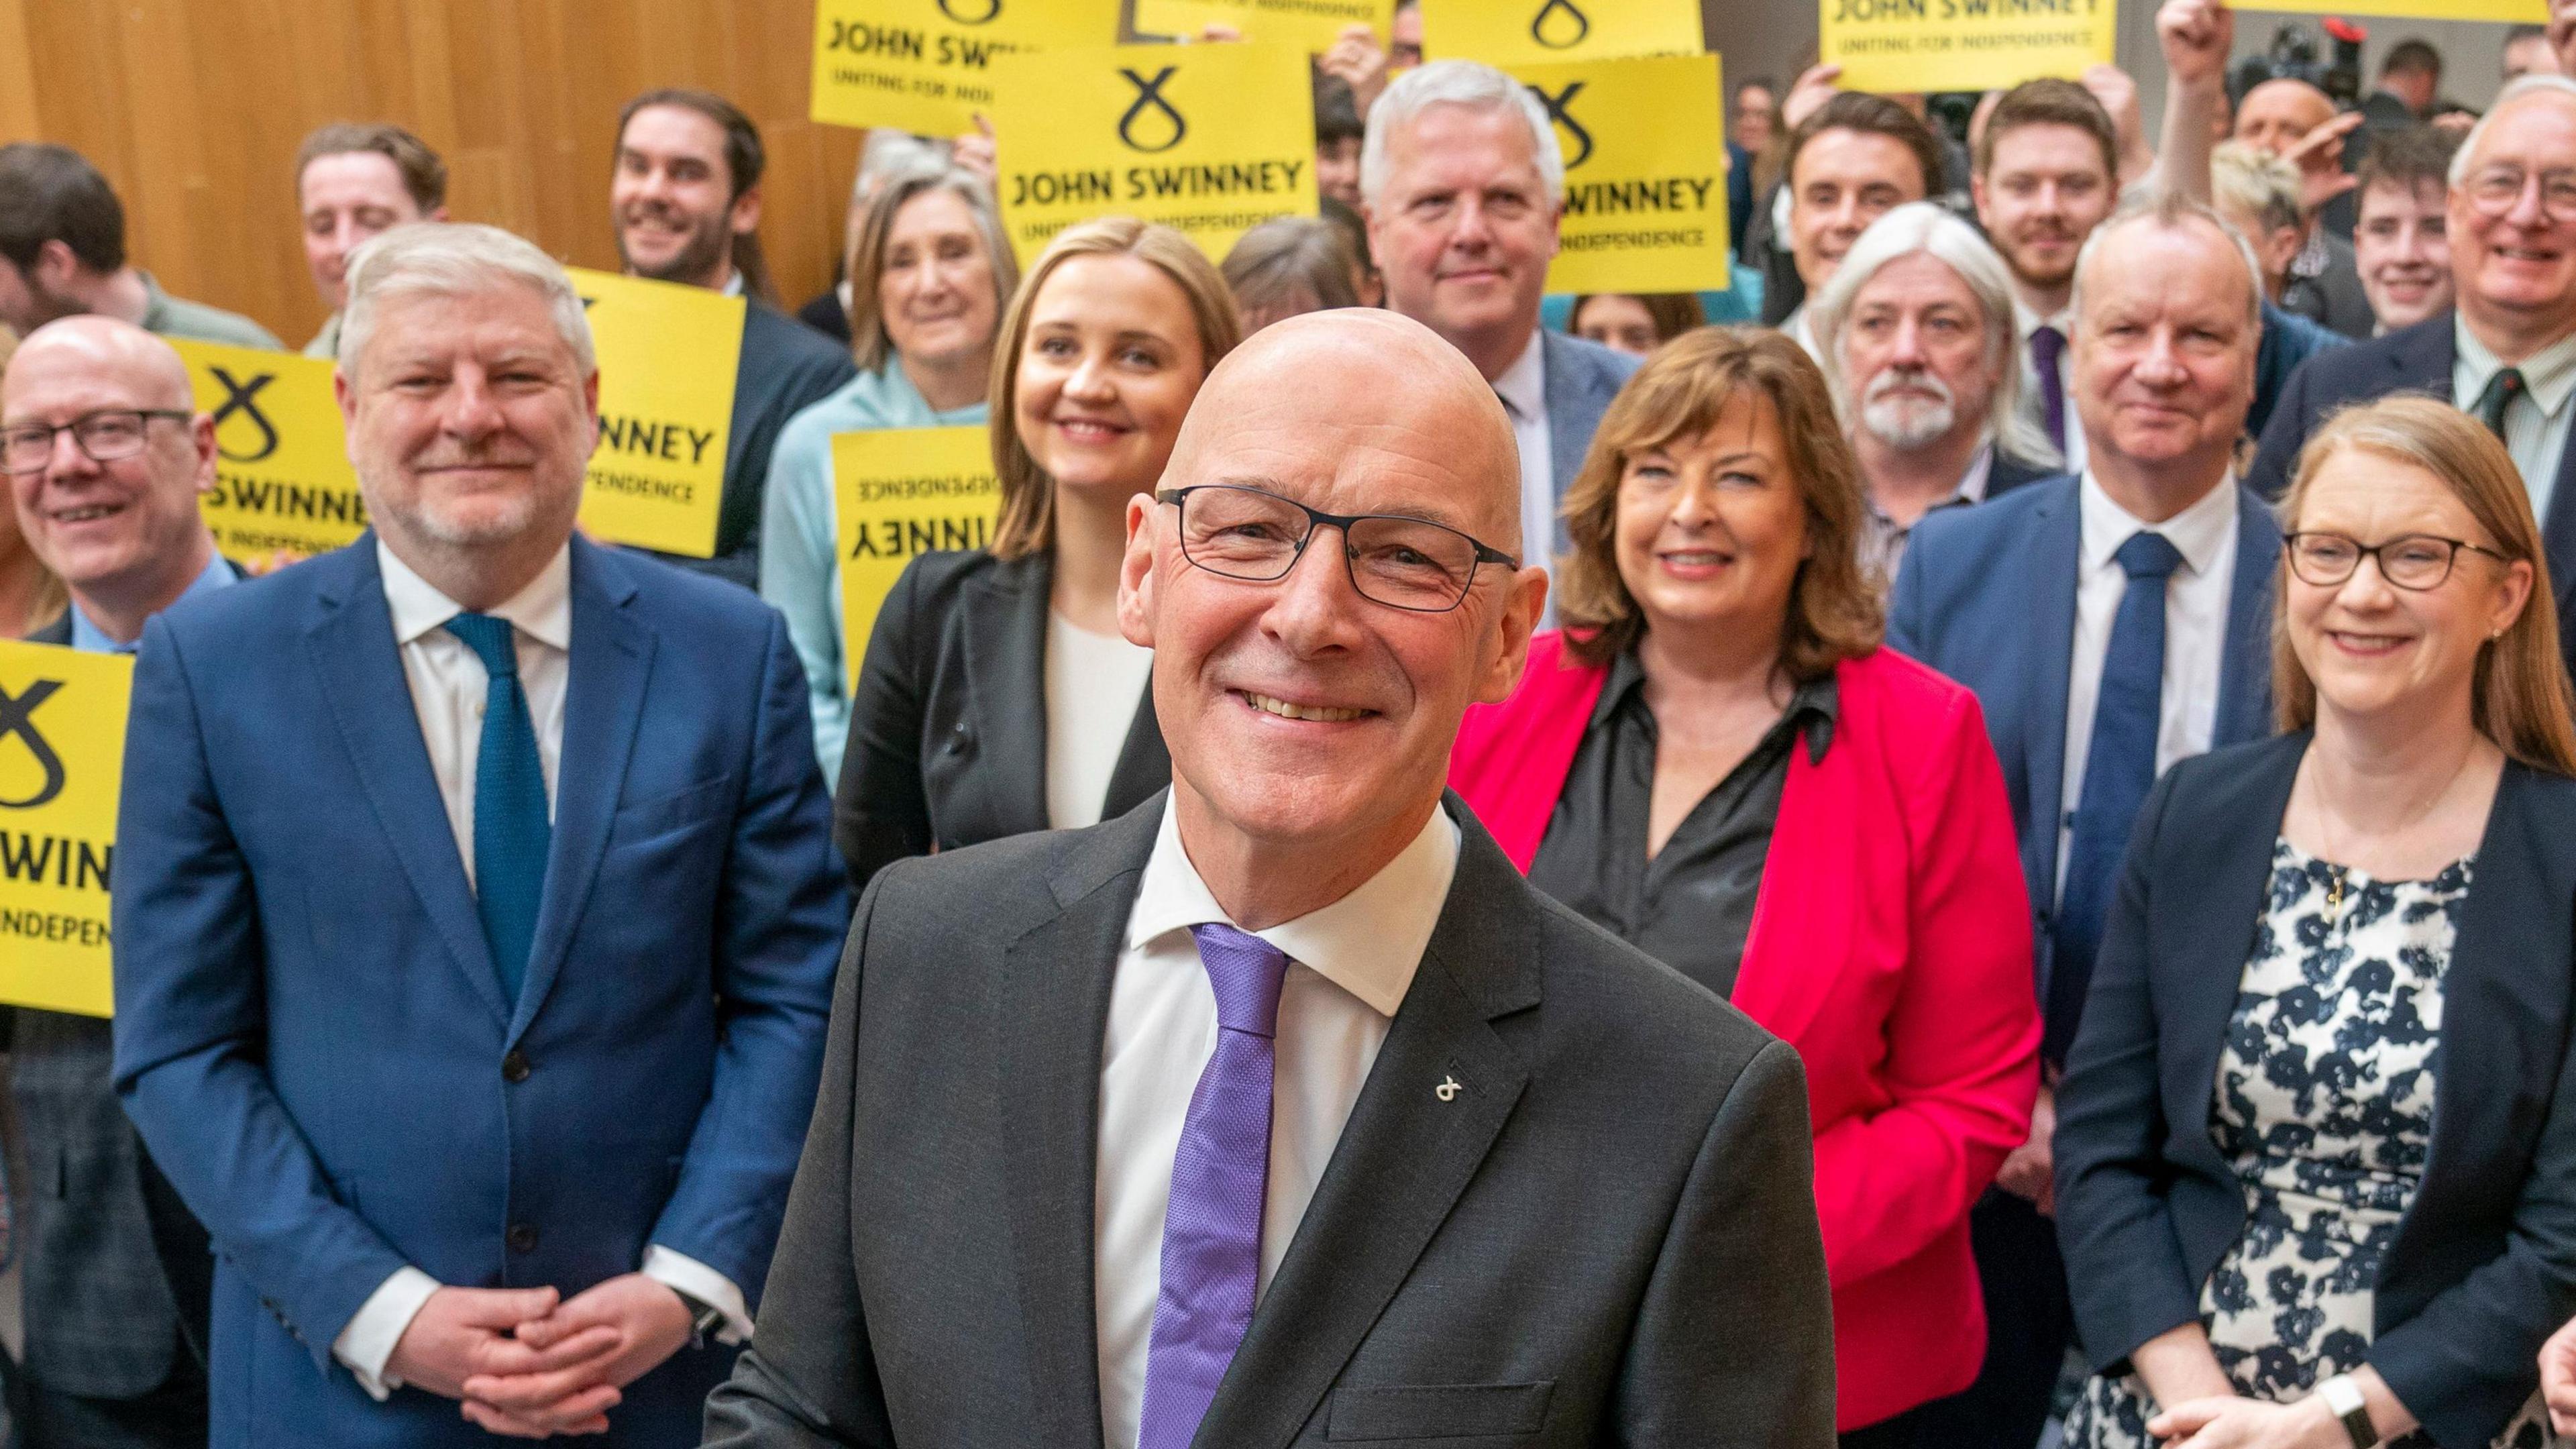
(2047, 345)
(1212, 1230)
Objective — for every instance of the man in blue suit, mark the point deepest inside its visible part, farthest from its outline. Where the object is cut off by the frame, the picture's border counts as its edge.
(2507, 354)
(2110, 624)
(476, 916)
(1465, 183)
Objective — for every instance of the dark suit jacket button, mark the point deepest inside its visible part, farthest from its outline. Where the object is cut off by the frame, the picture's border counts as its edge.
(522, 1237)
(514, 1067)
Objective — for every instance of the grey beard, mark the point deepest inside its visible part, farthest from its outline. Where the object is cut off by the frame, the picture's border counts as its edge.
(1906, 426)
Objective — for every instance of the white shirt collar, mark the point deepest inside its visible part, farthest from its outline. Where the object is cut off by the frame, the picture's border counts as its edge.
(1523, 385)
(1368, 943)
(2548, 376)
(1972, 483)
(2198, 532)
(542, 610)
(2027, 321)
(733, 283)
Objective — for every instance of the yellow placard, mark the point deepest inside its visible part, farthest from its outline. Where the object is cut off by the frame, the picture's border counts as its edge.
(1211, 139)
(925, 65)
(1531, 32)
(667, 358)
(62, 752)
(283, 484)
(1645, 172)
(1906, 46)
(2534, 12)
(899, 493)
(1311, 24)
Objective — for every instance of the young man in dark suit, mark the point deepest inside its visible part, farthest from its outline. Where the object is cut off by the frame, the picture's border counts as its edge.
(1282, 1107)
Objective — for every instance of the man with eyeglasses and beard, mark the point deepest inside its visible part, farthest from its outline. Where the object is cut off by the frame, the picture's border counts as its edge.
(2505, 351)
(685, 198)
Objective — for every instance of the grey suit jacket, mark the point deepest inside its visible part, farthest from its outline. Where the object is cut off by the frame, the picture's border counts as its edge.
(1582, 378)
(102, 1321)
(1609, 1236)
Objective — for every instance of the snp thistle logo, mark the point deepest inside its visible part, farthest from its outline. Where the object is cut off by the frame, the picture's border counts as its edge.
(968, 12)
(1560, 25)
(1581, 150)
(241, 399)
(1137, 127)
(17, 718)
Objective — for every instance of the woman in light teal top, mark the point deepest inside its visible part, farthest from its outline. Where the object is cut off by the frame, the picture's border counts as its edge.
(930, 272)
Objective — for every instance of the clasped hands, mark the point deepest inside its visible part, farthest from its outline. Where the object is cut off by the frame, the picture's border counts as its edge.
(530, 1363)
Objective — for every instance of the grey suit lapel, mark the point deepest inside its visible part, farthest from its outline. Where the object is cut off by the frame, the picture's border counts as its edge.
(2245, 658)
(1404, 1158)
(1005, 642)
(1052, 1010)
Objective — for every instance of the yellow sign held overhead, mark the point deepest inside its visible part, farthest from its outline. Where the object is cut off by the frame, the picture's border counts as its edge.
(62, 755)
(1533, 32)
(1645, 172)
(926, 65)
(2533, 12)
(900, 493)
(1312, 24)
(283, 484)
(1905, 46)
(1210, 139)
(667, 358)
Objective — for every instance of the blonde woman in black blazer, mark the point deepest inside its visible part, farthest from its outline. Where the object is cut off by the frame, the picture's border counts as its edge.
(2316, 1146)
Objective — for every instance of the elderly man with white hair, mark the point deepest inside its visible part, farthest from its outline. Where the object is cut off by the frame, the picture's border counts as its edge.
(1918, 332)
(2505, 352)
(477, 1020)
(1464, 185)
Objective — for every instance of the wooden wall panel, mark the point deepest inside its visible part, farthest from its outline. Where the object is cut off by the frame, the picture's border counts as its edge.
(194, 109)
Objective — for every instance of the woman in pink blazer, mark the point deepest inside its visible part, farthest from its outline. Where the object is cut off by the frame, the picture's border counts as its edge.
(1718, 763)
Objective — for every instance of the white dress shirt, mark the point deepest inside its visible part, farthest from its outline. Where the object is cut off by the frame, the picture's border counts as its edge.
(2033, 405)
(448, 684)
(2535, 424)
(2196, 603)
(1523, 389)
(1801, 330)
(1350, 966)
(1093, 684)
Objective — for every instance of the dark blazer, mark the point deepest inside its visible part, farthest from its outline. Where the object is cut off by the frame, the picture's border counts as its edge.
(312, 1038)
(2333, 298)
(2417, 359)
(1608, 1237)
(2009, 471)
(104, 1318)
(786, 367)
(948, 725)
(1986, 595)
(2483, 1267)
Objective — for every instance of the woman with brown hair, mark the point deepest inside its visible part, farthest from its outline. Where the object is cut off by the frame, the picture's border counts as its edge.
(2316, 1144)
(1717, 762)
(1632, 322)
(997, 695)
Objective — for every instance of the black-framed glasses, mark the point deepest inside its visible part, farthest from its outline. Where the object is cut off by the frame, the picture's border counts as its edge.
(1257, 536)
(105, 436)
(2413, 561)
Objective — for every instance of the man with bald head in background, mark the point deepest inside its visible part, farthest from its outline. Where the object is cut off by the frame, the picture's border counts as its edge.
(1282, 1107)
(105, 454)
(2296, 121)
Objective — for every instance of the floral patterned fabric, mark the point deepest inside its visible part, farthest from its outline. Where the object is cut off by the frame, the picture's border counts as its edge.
(2324, 1106)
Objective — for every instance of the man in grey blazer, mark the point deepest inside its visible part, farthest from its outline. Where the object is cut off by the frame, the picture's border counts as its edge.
(1281, 1109)
(1464, 184)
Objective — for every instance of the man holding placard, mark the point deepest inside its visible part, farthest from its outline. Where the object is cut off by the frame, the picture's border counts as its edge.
(1465, 185)
(106, 456)
(685, 197)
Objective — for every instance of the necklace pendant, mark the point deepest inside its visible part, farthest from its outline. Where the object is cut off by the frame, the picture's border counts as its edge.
(2334, 897)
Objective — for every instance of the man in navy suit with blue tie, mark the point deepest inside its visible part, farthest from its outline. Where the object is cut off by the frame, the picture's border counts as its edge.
(2110, 623)
(476, 916)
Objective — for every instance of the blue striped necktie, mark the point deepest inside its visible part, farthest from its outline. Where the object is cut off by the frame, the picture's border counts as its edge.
(511, 831)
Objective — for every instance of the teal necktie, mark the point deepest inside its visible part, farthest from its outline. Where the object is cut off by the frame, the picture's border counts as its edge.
(511, 832)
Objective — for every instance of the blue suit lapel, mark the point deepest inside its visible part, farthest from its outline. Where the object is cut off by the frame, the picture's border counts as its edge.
(2056, 556)
(1577, 396)
(612, 656)
(2245, 665)
(351, 644)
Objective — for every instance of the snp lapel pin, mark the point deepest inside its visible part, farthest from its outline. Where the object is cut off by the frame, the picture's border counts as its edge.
(1448, 1089)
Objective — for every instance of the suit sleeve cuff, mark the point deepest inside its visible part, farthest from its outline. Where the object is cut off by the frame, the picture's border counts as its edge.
(369, 1339)
(684, 1274)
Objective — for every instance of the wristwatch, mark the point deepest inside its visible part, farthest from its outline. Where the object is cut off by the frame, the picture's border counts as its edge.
(705, 1318)
(2343, 1397)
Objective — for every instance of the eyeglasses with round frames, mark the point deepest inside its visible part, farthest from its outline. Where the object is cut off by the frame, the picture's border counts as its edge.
(105, 437)
(2415, 561)
(1256, 536)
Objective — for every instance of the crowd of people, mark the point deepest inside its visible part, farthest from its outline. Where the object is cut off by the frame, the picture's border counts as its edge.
(1962, 841)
